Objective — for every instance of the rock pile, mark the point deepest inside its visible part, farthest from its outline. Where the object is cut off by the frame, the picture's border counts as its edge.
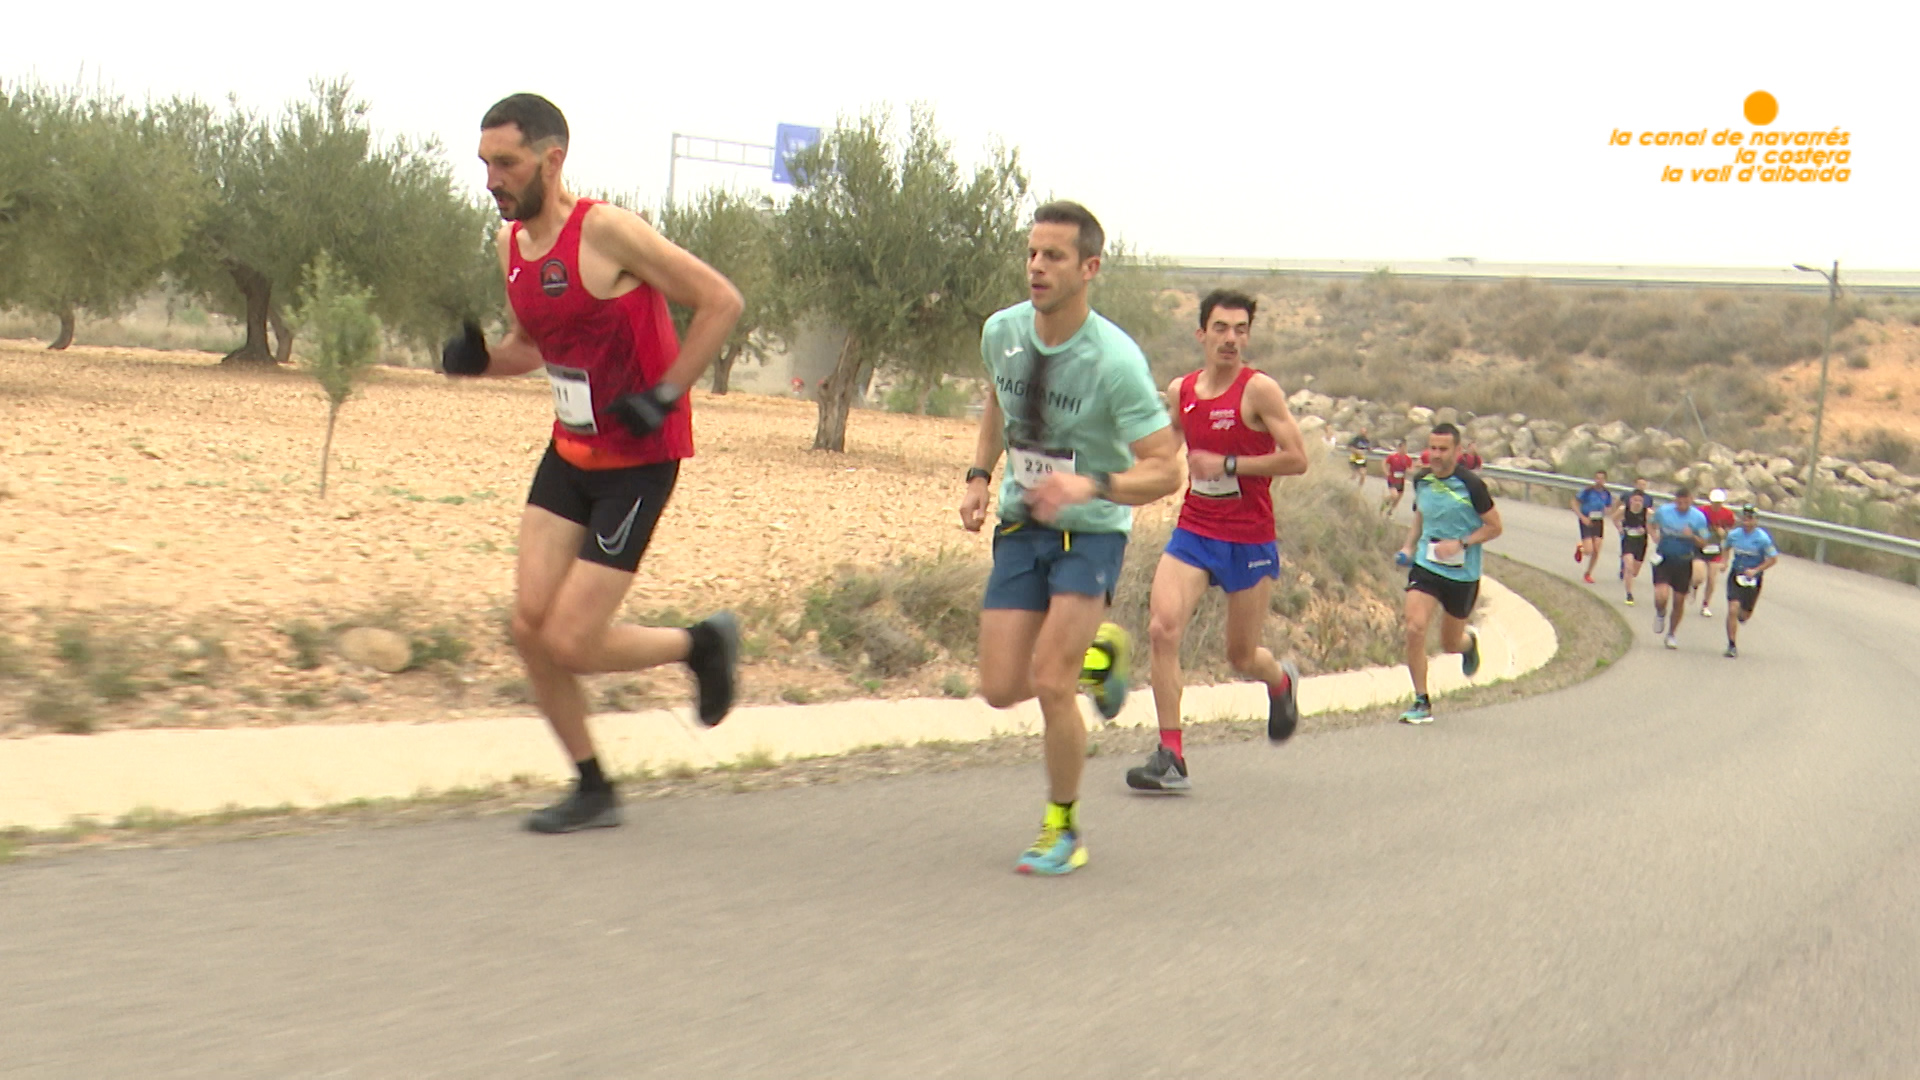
(1771, 481)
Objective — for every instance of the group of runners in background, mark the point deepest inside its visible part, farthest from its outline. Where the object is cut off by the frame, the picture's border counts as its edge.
(1688, 548)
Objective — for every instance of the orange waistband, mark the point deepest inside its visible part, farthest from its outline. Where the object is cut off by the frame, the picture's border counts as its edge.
(583, 455)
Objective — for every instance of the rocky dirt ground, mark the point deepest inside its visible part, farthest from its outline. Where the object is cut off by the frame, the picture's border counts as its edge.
(167, 559)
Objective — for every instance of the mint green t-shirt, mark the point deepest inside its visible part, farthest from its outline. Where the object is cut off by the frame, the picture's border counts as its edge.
(1101, 399)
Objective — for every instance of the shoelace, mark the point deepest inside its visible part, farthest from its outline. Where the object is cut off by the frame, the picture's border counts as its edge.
(1048, 839)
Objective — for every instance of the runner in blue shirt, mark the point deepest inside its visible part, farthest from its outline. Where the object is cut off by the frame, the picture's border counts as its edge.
(1753, 554)
(1679, 531)
(1590, 506)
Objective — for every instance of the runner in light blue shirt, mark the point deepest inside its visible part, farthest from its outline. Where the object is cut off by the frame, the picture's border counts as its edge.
(1753, 554)
(1679, 531)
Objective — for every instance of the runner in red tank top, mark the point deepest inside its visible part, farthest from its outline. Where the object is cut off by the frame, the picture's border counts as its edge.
(1239, 435)
(587, 286)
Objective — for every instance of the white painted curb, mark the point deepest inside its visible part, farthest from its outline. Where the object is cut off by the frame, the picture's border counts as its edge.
(46, 781)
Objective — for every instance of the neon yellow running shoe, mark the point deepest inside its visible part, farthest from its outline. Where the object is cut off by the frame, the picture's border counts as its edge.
(1104, 674)
(1055, 851)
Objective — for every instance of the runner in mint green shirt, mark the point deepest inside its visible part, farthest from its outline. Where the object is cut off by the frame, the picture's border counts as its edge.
(1101, 399)
(1086, 437)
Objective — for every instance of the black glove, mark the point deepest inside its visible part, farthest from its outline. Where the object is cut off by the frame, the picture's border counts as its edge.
(644, 413)
(466, 354)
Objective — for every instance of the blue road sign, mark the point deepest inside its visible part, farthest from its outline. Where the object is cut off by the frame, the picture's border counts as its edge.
(789, 139)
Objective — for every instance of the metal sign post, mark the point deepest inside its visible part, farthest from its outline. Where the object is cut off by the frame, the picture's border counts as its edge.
(788, 140)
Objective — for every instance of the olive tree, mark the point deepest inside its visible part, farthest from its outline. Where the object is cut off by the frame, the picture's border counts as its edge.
(890, 241)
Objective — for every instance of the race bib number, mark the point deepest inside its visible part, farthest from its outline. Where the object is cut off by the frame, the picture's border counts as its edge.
(1596, 515)
(1710, 550)
(1635, 530)
(1357, 458)
(572, 399)
(1031, 465)
(1433, 555)
(1220, 487)
(1745, 581)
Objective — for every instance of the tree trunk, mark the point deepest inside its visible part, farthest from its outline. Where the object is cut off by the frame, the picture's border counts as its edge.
(723, 369)
(65, 337)
(836, 397)
(282, 336)
(259, 294)
(326, 447)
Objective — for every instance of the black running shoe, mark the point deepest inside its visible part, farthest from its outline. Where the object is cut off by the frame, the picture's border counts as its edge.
(1283, 709)
(714, 660)
(1470, 660)
(579, 810)
(1164, 771)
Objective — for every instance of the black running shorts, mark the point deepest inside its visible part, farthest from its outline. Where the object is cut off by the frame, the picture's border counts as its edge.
(1676, 574)
(619, 507)
(1591, 529)
(1456, 597)
(1634, 547)
(1745, 595)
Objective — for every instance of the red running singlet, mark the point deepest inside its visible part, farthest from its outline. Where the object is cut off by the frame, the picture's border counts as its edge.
(596, 350)
(1237, 509)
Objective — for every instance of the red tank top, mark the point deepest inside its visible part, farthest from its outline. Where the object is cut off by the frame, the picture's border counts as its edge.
(596, 350)
(1237, 509)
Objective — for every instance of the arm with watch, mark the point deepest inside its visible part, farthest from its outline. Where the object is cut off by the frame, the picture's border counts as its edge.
(1155, 474)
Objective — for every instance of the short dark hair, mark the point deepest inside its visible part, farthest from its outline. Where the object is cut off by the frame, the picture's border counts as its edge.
(537, 118)
(1448, 430)
(1682, 493)
(1092, 239)
(1231, 299)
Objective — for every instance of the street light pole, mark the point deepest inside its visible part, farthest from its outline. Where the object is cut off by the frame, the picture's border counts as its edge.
(1826, 355)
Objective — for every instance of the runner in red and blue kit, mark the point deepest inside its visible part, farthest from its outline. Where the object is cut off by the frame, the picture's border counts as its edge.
(587, 288)
(1397, 465)
(1239, 436)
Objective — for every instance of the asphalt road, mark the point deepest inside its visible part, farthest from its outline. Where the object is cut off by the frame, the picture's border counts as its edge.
(1685, 867)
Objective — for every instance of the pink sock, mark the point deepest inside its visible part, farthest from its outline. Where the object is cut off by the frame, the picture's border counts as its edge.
(1170, 738)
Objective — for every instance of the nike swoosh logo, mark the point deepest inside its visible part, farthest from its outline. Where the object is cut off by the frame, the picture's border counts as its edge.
(1015, 351)
(513, 275)
(615, 544)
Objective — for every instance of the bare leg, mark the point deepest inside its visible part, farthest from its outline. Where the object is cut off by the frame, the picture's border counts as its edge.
(1246, 619)
(1058, 654)
(1007, 638)
(1419, 615)
(549, 546)
(1177, 588)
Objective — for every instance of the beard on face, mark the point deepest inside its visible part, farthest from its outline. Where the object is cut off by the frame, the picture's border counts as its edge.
(527, 203)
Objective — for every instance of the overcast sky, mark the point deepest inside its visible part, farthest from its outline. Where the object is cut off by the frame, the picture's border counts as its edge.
(1315, 131)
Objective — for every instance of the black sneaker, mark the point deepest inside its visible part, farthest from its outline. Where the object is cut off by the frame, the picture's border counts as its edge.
(1732, 653)
(1470, 659)
(714, 661)
(599, 809)
(1283, 709)
(1164, 771)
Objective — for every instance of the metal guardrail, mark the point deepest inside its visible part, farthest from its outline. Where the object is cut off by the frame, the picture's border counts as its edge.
(1820, 532)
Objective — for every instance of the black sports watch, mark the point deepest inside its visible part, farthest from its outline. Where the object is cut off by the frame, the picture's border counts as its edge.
(1232, 465)
(978, 473)
(1102, 484)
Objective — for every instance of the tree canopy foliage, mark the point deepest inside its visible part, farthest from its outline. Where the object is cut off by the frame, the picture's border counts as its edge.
(95, 200)
(888, 240)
